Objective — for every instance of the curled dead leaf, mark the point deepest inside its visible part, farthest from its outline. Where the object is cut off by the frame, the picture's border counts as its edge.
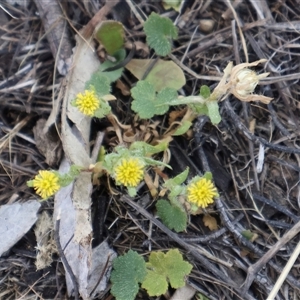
(210, 222)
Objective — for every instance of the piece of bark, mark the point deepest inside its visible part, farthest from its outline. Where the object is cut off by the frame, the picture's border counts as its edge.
(48, 143)
(55, 27)
(15, 220)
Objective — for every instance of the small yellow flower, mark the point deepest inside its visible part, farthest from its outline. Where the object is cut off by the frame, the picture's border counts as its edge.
(130, 172)
(46, 184)
(87, 102)
(202, 192)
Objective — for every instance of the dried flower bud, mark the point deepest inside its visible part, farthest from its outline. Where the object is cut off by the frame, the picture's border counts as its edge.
(246, 82)
(241, 82)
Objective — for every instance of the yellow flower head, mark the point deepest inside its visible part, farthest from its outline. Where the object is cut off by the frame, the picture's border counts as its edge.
(87, 102)
(201, 192)
(129, 172)
(46, 184)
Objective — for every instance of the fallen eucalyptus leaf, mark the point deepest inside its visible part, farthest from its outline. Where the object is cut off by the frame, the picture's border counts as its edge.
(164, 74)
(15, 220)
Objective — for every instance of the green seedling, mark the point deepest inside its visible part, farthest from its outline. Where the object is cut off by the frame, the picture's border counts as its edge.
(162, 269)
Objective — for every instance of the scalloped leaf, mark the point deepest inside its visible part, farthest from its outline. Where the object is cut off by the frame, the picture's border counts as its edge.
(164, 269)
(172, 216)
(146, 103)
(155, 284)
(160, 31)
(67, 178)
(100, 83)
(128, 271)
(103, 110)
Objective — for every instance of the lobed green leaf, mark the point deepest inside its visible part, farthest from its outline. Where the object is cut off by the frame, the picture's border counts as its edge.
(146, 103)
(100, 83)
(128, 271)
(164, 268)
(159, 31)
(103, 110)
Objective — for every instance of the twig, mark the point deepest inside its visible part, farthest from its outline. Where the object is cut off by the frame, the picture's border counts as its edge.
(284, 273)
(97, 146)
(278, 124)
(237, 121)
(248, 244)
(276, 206)
(58, 287)
(281, 86)
(8, 12)
(191, 72)
(255, 268)
(276, 224)
(55, 28)
(205, 238)
(136, 12)
(211, 40)
(64, 260)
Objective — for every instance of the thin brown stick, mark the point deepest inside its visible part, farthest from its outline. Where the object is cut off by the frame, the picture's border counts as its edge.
(255, 268)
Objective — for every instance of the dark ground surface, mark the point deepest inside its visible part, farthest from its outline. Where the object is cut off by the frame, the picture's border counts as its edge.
(267, 203)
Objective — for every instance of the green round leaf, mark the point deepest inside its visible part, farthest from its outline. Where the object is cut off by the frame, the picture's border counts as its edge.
(159, 32)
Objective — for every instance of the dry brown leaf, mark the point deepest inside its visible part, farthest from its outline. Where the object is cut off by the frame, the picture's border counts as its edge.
(175, 114)
(151, 185)
(48, 143)
(123, 88)
(140, 47)
(244, 252)
(210, 222)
